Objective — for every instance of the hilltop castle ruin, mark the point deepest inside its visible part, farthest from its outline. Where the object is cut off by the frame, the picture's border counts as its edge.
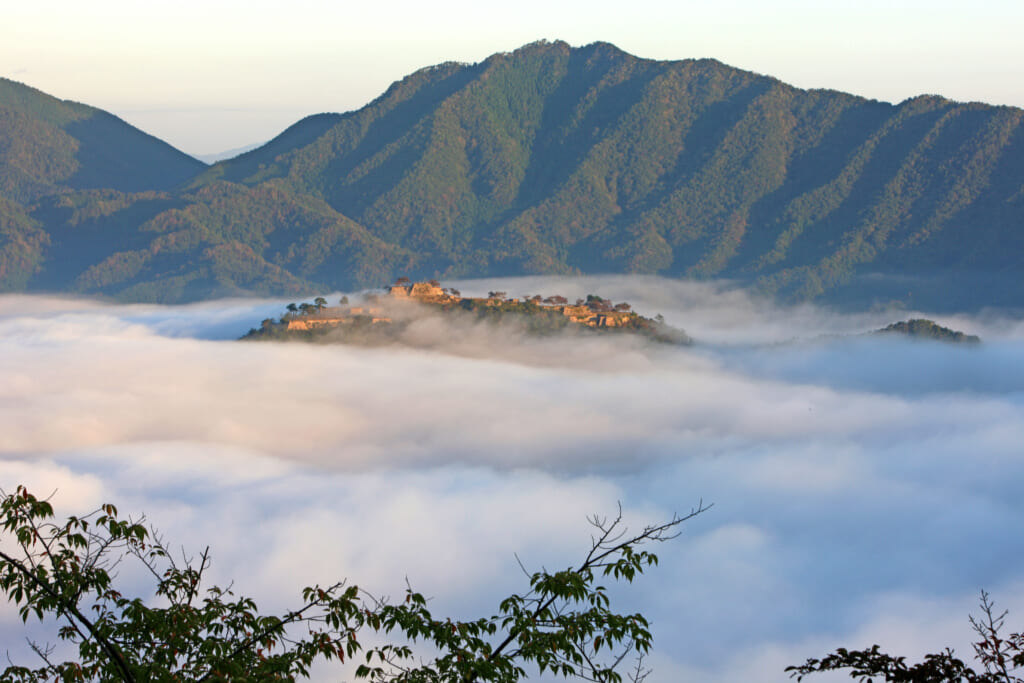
(595, 312)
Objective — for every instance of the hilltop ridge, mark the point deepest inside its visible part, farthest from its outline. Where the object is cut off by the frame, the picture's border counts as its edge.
(383, 317)
(554, 159)
(48, 145)
(921, 328)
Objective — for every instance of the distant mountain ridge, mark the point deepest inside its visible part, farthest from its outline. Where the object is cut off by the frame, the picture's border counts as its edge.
(227, 154)
(553, 159)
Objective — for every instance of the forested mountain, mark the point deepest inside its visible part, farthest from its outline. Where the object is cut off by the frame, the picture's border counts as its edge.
(49, 145)
(554, 159)
(49, 148)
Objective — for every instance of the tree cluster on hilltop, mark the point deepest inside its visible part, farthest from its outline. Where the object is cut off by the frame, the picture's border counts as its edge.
(379, 321)
(922, 328)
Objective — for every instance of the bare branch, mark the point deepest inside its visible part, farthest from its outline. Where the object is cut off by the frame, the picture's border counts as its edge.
(639, 673)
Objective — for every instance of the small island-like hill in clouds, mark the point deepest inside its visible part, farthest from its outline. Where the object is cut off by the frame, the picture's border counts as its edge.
(383, 318)
(546, 160)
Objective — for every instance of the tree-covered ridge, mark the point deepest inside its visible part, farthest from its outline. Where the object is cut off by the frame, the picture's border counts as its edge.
(921, 328)
(22, 243)
(553, 159)
(49, 145)
(384, 318)
(221, 239)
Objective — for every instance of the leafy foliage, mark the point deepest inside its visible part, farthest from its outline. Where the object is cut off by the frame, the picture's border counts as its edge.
(189, 631)
(999, 656)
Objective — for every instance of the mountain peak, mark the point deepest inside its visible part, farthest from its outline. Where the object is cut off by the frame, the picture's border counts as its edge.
(548, 159)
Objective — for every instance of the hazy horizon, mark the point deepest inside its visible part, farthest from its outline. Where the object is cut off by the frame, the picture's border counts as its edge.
(864, 488)
(210, 77)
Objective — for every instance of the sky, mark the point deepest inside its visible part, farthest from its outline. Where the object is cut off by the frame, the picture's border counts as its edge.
(864, 489)
(215, 75)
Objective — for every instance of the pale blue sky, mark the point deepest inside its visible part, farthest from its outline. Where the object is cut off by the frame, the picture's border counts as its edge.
(210, 75)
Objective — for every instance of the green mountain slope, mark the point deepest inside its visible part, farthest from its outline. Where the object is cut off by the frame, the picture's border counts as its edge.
(22, 246)
(48, 145)
(553, 159)
(222, 239)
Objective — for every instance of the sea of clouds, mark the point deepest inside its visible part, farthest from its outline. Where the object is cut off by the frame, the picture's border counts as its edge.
(864, 488)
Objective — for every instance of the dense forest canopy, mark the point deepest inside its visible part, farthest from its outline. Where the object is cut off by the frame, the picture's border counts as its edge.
(549, 159)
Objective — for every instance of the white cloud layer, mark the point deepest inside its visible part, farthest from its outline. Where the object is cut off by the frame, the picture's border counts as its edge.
(864, 489)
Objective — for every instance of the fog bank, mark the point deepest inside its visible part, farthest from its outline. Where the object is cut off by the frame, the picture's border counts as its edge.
(864, 488)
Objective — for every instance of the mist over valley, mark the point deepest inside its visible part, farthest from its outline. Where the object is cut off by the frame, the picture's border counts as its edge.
(864, 486)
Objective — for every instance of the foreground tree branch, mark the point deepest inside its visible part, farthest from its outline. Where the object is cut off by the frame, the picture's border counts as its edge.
(1000, 657)
(563, 624)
